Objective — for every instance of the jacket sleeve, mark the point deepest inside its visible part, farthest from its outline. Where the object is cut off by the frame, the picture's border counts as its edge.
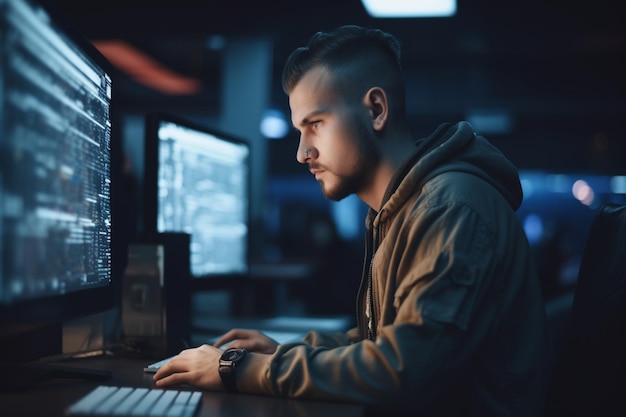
(331, 339)
(367, 372)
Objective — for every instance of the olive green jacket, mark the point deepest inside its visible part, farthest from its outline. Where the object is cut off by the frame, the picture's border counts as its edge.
(450, 312)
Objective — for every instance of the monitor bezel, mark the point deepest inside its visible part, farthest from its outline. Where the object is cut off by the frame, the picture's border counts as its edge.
(22, 316)
(150, 188)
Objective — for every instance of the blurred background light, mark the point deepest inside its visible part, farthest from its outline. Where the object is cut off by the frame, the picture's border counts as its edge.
(274, 124)
(618, 184)
(144, 69)
(558, 183)
(533, 226)
(410, 8)
(583, 192)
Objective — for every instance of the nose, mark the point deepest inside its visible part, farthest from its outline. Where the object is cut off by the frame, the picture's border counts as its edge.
(305, 153)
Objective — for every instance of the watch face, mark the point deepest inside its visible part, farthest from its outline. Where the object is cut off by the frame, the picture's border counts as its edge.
(232, 354)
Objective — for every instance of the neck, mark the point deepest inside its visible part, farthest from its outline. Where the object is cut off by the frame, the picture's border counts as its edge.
(394, 150)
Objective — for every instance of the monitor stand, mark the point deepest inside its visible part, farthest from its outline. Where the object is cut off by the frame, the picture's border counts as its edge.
(33, 356)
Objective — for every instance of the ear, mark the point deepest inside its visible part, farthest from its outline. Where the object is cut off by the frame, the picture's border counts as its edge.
(376, 101)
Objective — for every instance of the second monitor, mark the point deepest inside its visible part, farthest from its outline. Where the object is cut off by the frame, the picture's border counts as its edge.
(196, 181)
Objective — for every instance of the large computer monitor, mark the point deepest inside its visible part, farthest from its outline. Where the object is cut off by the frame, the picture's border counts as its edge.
(55, 173)
(196, 181)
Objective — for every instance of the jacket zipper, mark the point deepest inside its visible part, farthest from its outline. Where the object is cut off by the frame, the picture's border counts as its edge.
(367, 323)
(362, 298)
(373, 316)
(370, 302)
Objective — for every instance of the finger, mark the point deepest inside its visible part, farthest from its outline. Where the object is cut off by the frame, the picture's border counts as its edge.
(238, 343)
(162, 372)
(230, 336)
(176, 364)
(173, 379)
(234, 343)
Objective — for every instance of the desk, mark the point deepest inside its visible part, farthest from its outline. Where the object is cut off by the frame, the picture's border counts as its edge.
(51, 397)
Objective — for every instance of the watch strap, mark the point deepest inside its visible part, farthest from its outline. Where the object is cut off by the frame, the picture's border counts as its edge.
(227, 374)
(227, 367)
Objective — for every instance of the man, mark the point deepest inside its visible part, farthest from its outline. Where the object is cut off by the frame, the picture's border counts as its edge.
(450, 312)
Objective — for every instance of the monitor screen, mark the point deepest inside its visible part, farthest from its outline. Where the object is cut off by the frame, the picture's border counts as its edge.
(55, 170)
(197, 182)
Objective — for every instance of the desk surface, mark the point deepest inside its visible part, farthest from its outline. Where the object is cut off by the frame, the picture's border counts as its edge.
(51, 397)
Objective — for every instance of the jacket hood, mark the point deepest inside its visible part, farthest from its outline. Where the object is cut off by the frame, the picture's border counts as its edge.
(454, 147)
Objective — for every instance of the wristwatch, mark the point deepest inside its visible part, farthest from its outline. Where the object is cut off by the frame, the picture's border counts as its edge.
(228, 364)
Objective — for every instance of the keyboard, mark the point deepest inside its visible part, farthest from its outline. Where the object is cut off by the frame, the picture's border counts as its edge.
(127, 401)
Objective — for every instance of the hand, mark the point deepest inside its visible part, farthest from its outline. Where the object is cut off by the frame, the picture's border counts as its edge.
(253, 340)
(196, 366)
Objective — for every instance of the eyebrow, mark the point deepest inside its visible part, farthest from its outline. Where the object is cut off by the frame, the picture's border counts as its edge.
(307, 119)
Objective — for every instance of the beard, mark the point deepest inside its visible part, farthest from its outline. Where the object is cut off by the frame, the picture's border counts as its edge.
(359, 176)
(345, 186)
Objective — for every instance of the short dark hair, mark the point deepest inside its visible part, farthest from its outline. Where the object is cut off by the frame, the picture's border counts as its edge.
(361, 54)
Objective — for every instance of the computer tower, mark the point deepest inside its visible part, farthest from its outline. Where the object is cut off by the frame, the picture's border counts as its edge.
(156, 293)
